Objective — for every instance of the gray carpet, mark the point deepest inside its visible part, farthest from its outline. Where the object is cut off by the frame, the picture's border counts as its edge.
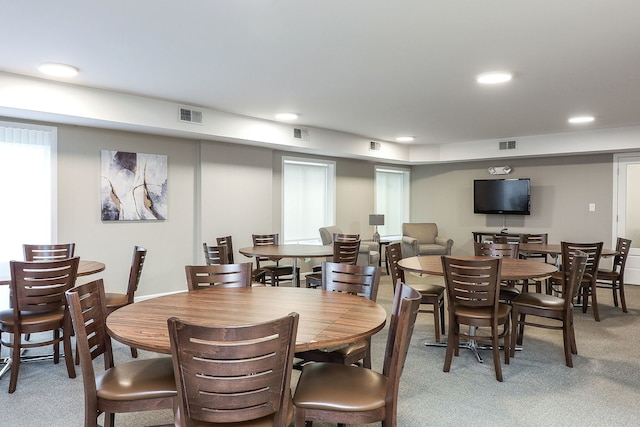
(603, 388)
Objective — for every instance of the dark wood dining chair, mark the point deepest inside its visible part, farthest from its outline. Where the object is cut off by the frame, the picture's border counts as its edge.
(344, 252)
(508, 290)
(538, 239)
(39, 305)
(275, 271)
(48, 252)
(215, 254)
(139, 385)
(432, 295)
(334, 393)
(551, 307)
(227, 242)
(587, 286)
(116, 300)
(355, 280)
(473, 296)
(223, 275)
(234, 375)
(614, 278)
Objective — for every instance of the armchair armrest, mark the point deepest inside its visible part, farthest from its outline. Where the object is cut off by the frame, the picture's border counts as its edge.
(445, 241)
(409, 246)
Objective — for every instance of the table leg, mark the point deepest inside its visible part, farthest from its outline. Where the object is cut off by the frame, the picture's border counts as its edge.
(471, 345)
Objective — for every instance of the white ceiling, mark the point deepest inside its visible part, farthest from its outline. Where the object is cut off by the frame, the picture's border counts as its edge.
(374, 68)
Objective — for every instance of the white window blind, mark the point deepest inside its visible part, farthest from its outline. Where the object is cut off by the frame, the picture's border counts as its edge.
(392, 199)
(308, 198)
(27, 186)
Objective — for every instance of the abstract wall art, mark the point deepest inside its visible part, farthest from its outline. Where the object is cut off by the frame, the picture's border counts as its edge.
(133, 186)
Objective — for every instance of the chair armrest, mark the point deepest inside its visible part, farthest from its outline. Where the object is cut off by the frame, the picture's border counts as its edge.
(409, 246)
(444, 241)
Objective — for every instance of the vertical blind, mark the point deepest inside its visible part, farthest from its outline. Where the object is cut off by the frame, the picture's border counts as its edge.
(26, 189)
(392, 199)
(308, 199)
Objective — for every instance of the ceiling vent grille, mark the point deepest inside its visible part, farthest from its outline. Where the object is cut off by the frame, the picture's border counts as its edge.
(189, 115)
(507, 145)
(300, 134)
(374, 146)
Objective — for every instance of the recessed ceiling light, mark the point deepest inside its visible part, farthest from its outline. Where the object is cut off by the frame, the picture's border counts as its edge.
(405, 139)
(494, 78)
(286, 116)
(581, 119)
(58, 70)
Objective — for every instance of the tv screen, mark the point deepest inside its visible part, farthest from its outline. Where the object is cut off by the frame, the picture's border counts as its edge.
(502, 196)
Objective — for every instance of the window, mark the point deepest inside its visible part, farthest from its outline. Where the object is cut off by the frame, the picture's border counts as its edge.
(392, 200)
(27, 188)
(308, 198)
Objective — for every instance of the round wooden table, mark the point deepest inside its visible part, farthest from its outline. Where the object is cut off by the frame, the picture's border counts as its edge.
(277, 252)
(327, 319)
(512, 269)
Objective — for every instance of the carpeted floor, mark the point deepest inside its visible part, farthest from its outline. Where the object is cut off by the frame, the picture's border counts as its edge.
(603, 388)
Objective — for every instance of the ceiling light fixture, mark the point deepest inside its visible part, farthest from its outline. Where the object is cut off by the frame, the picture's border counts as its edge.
(405, 139)
(58, 70)
(286, 116)
(581, 119)
(494, 78)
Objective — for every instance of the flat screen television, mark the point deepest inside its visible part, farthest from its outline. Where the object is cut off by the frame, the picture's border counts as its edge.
(502, 196)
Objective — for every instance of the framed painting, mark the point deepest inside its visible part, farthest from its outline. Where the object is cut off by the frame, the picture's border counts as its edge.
(133, 186)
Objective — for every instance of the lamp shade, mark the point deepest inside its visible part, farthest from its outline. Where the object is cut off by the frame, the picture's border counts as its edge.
(376, 219)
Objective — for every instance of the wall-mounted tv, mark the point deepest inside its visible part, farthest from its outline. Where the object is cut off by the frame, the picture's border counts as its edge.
(502, 196)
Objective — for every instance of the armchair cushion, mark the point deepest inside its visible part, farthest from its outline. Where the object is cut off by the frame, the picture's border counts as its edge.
(423, 239)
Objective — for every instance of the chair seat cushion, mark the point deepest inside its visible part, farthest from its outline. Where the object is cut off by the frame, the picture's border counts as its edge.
(431, 249)
(116, 300)
(136, 380)
(336, 387)
(428, 289)
(527, 299)
(608, 275)
(31, 318)
(482, 313)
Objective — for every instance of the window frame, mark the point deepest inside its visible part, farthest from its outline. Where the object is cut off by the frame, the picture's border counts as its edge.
(405, 206)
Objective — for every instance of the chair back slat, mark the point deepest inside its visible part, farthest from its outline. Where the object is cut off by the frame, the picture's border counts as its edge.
(223, 275)
(352, 279)
(472, 283)
(39, 286)
(50, 252)
(508, 250)
(234, 374)
(346, 252)
(135, 272)
(215, 254)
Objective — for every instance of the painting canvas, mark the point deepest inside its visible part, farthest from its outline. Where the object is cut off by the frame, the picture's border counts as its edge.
(134, 186)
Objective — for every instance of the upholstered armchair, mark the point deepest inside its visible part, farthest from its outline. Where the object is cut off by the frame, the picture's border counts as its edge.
(368, 255)
(422, 239)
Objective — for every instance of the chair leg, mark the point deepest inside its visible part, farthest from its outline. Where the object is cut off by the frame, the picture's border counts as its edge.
(594, 301)
(496, 354)
(452, 346)
(520, 328)
(623, 302)
(366, 362)
(15, 362)
(436, 322)
(68, 353)
(134, 352)
(566, 336)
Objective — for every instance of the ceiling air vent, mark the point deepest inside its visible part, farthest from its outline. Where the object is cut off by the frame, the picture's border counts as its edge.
(301, 134)
(507, 145)
(189, 115)
(374, 146)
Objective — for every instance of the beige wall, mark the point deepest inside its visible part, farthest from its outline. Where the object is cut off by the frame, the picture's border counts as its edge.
(561, 190)
(230, 189)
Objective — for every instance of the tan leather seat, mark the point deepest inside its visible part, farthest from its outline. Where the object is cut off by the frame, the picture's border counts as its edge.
(139, 385)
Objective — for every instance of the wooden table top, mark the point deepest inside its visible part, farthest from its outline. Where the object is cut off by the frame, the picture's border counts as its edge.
(288, 251)
(85, 268)
(327, 319)
(512, 269)
(555, 249)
